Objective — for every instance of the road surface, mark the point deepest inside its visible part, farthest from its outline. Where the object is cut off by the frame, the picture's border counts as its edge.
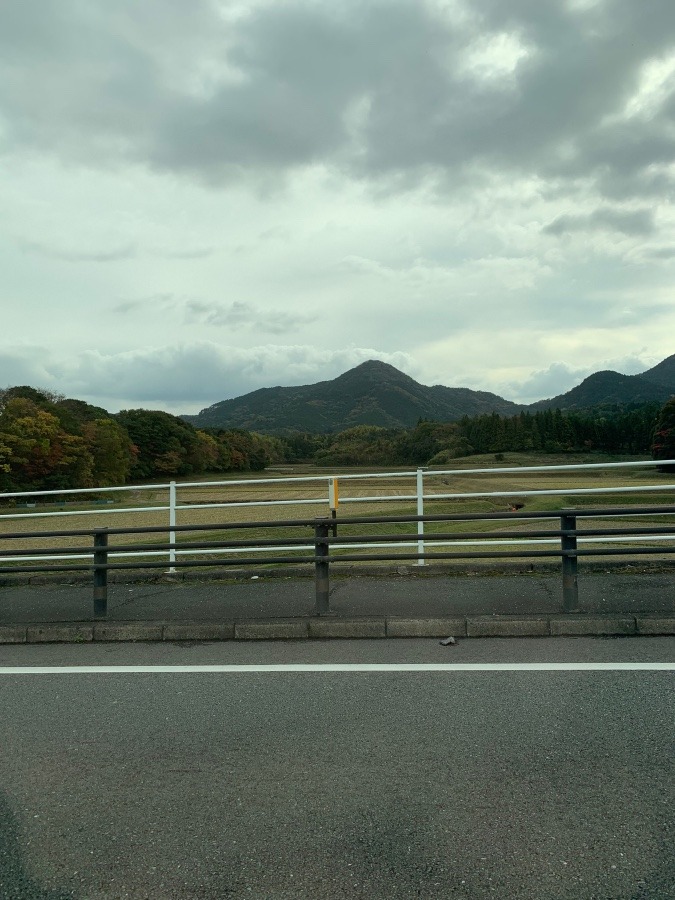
(463, 783)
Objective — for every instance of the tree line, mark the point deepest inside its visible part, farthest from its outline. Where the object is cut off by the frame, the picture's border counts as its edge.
(613, 430)
(48, 442)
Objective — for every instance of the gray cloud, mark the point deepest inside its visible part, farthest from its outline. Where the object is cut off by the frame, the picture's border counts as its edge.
(556, 379)
(400, 166)
(200, 373)
(243, 315)
(197, 253)
(129, 250)
(662, 253)
(630, 222)
(188, 377)
(559, 378)
(114, 254)
(162, 300)
(27, 365)
(235, 316)
(391, 91)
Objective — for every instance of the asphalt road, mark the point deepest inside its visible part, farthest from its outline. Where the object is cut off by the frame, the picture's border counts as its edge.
(359, 784)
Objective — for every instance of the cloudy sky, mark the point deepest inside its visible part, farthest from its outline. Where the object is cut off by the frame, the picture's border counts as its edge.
(202, 198)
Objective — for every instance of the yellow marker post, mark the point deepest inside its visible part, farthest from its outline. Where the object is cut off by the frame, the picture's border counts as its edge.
(333, 501)
(333, 498)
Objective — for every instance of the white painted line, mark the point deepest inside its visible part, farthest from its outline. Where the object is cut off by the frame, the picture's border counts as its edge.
(343, 667)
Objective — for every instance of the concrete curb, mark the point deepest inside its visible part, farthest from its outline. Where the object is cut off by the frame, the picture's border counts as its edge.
(62, 633)
(508, 626)
(656, 624)
(271, 630)
(440, 627)
(332, 628)
(371, 627)
(575, 625)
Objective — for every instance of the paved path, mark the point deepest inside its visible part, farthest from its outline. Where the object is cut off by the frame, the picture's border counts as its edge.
(403, 595)
(409, 605)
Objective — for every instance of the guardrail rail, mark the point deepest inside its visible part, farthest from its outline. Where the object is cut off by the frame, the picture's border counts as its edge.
(96, 555)
(334, 496)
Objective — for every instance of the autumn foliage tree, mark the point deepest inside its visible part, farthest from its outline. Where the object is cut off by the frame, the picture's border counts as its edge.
(50, 442)
(41, 453)
(46, 445)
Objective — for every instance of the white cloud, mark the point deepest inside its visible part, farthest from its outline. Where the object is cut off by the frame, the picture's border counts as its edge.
(494, 58)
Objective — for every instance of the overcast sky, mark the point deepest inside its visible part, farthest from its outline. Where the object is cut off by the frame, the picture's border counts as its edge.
(202, 198)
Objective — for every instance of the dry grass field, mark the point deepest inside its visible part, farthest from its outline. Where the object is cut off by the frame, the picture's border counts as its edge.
(238, 500)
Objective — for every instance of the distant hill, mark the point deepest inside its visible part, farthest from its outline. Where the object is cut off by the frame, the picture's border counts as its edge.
(607, 387)
(373, 393)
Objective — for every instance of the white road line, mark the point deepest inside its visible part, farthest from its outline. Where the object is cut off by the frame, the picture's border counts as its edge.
(343, 667)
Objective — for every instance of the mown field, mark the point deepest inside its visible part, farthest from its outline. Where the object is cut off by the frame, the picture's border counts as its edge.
(359, 496)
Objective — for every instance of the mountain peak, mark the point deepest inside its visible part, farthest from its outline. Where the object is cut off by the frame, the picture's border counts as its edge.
(373, 370)
(377, 393)
(371, 393)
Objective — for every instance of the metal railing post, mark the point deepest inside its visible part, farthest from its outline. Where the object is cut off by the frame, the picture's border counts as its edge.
(420, 512)
(568, 543)
(100, 574)
(172, 525)
(321, 566)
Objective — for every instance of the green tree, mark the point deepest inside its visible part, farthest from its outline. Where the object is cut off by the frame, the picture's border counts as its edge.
(204, 455)
(240, 450)
(363, 445)
(164, 444)
(663, 446)
(111, 450)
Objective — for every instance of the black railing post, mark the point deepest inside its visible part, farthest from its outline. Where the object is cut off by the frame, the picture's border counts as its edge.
(100, 573)
(321, 564)
(568, 543)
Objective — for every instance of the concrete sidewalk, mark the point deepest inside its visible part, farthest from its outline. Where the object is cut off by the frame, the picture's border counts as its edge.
(369, 606)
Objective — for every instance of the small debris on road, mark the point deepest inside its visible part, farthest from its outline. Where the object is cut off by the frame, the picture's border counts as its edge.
(447, 642)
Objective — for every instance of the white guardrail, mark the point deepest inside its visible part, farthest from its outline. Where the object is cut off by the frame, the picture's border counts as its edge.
(330, 501)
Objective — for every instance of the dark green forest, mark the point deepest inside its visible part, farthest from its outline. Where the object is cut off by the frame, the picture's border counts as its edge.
(49, 442)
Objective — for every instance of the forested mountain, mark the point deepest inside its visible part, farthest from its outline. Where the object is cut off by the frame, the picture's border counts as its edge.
(663, 373)
(373, 393)
(656, 385)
